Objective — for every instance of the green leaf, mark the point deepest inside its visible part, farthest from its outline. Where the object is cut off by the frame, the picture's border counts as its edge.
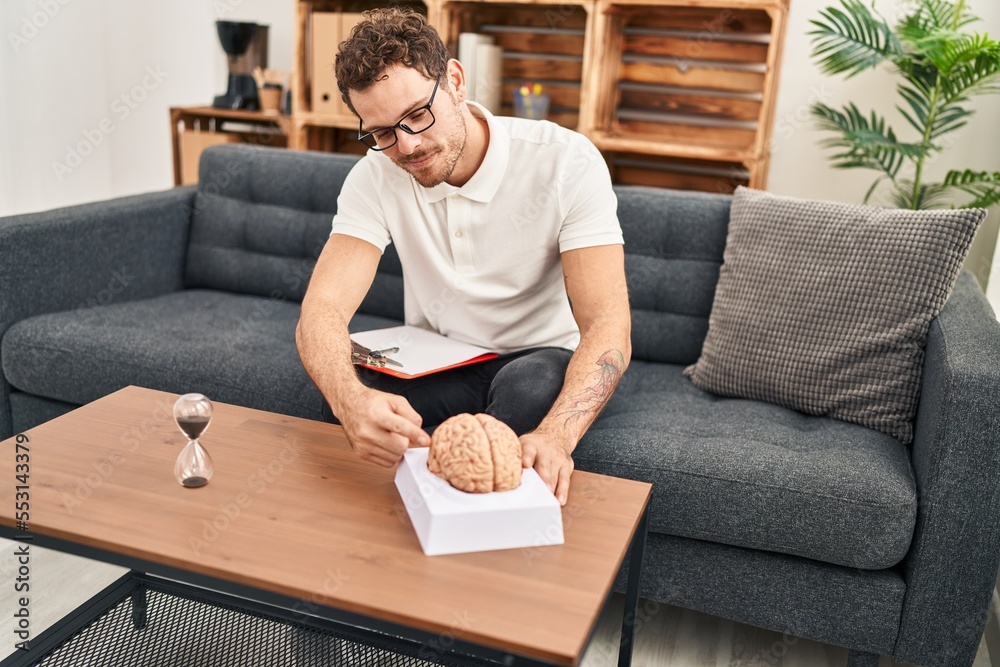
(941, 15)
(967, 49)
(868, 195)
(920, 38)
(971, 77)
(985, 198)
(852, 40)
(931, 195)
(949, 119)
(984, 186)
(866, 142)
(919, 103)
(956, 178)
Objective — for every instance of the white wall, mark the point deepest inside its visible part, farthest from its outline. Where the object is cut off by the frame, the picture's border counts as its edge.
(82, 56)
(87, 85)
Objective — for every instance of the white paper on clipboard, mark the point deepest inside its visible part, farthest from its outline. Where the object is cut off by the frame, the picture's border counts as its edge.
(420, 351)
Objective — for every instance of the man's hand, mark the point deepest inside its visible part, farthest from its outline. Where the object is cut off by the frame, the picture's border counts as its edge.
(382, 426)
(551, 459)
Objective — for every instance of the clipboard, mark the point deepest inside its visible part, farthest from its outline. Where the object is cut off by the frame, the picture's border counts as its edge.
(420, 352)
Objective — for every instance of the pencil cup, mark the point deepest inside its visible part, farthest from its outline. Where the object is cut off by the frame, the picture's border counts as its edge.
(531, 106)
(270, 98)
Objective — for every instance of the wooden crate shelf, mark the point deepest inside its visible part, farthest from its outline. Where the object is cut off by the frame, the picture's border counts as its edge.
(672, 91)
(678, 173)
(694, 80)
(543, 43)
(330, 140)
(607, 141)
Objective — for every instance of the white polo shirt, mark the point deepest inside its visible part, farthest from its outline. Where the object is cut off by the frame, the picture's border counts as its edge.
(481, 262)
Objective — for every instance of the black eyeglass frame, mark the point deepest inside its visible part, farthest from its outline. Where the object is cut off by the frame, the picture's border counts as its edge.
(400, 125)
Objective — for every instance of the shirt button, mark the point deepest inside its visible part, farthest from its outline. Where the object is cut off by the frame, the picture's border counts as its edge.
(454, 197)
(458, 234)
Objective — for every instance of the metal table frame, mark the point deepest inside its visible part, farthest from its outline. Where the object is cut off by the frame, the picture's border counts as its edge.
(363, 629)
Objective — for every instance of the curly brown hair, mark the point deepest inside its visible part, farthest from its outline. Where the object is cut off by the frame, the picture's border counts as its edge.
(387, 37)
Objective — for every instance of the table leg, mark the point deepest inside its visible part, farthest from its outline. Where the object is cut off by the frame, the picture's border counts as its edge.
(631, 610)
(139, 616)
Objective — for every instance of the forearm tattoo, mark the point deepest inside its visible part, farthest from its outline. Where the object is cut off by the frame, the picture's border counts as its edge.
(601, 383)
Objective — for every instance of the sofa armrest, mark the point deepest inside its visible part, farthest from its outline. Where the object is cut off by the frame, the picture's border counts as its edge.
(89, 255)
(951, 568)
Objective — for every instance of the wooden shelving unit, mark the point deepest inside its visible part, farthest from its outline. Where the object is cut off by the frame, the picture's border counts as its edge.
(543, 42)
(193, 129)
(688, 90)
(312, 129)
(675, 93)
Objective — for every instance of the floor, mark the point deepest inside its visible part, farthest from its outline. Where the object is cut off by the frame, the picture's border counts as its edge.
(668, 637)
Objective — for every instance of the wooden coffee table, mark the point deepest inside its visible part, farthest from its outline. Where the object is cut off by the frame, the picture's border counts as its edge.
(296, 526)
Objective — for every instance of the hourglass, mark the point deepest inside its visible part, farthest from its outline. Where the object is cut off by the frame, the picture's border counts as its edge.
(194, 467)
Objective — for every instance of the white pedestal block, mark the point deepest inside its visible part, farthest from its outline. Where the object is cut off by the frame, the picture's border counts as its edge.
(449, 521)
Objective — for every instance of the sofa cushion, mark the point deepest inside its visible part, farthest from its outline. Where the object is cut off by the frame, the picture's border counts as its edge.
(303, 180)
(232, 348)
(674, 242)
(754, 474)
(250, 248)
(824, 307)
(260, 219)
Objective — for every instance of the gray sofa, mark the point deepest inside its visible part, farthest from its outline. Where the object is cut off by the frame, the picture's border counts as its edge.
(804, 525)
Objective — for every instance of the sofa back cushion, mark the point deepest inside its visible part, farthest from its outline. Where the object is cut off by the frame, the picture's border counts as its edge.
(260, 219)
(674, 243)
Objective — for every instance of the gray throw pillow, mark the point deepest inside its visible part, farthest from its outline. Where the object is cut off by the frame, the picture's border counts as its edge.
(824, 307)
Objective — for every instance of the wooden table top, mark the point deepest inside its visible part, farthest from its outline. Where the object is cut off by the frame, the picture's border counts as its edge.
(291, 509)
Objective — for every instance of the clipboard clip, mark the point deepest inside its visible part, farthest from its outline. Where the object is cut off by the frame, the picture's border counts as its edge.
(361, 355)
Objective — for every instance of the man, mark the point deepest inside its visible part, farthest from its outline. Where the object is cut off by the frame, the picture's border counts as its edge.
(496, 221)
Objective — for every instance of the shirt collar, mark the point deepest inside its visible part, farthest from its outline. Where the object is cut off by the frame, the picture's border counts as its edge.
(486, 181)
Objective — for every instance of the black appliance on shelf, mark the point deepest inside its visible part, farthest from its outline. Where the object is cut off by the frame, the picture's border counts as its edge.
(245, 45)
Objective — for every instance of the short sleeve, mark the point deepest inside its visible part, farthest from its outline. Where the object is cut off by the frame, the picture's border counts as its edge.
(588, 200)
(359, 211)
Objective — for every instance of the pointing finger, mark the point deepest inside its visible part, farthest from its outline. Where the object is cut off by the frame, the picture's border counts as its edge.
(406, 422)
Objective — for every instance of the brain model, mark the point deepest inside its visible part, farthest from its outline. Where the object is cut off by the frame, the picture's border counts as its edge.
(476, 453)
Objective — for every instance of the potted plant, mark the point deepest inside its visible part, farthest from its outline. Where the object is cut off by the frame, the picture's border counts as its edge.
(941, 66)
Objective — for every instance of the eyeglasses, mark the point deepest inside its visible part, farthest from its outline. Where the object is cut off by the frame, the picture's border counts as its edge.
(415, 122)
